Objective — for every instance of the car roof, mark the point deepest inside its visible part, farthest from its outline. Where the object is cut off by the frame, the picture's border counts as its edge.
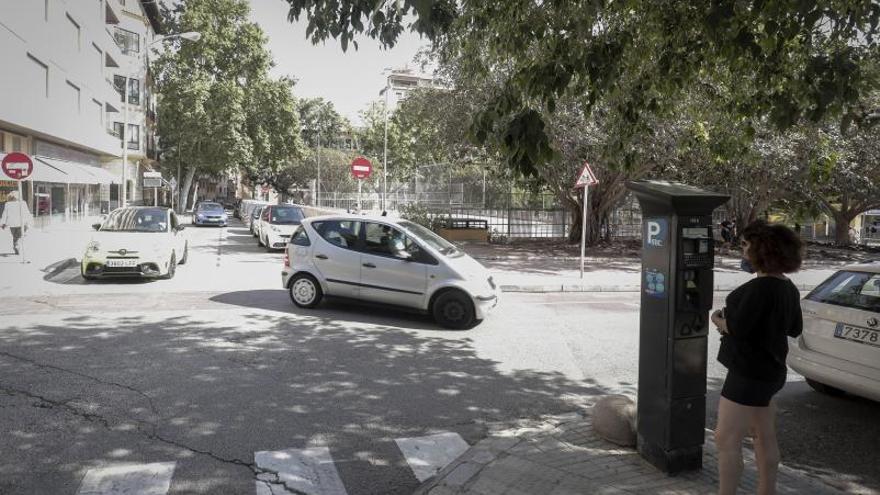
(355, 218)
(873, 267)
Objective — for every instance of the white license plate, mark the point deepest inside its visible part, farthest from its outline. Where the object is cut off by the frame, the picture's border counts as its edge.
(858, 334)
(126, 263)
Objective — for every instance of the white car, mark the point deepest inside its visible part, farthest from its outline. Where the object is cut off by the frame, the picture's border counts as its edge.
(276, 225)
(387, 261)
(136, 241)
(839, 349)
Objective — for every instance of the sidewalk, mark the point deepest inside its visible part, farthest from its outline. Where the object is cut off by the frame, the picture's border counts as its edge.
(561, 455)
(535, 268)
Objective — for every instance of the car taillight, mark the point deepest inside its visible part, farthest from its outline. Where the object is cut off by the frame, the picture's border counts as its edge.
(286, 260)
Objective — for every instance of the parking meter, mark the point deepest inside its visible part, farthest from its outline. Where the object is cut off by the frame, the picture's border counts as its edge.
(676, 296)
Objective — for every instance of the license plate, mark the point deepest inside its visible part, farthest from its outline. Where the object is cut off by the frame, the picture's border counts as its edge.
(126, 263)
(857, 334)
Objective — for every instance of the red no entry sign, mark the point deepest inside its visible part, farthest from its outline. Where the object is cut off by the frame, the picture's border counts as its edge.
(361, 168)
(17, 166)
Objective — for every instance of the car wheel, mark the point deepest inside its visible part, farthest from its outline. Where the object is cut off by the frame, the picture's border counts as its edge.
(825, 389)
(305, 291)
(454, 309)
(172, 268)
(185, 257)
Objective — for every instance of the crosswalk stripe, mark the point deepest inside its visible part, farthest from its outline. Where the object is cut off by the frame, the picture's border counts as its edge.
(428, 455)
(310, 471)
(119, 479)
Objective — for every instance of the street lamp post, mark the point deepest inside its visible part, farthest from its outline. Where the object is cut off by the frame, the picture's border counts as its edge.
(141, 61)
(385, 146)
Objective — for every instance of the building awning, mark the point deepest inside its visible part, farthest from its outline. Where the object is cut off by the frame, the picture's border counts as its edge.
(76, 173)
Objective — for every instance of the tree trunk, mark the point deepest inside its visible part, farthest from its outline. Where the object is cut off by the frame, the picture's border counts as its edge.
(183, 191)
(841, 229)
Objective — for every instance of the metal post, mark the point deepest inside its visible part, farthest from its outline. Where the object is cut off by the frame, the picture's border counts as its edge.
(584, 228)
(21, 219)
(318, 183)
(359, 195)
(385, 152)
(122, 187)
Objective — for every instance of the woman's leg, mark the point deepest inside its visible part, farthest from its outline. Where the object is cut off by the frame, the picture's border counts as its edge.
(766, 447)
(734, 421)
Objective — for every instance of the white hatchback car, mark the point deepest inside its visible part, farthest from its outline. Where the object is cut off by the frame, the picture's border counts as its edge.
(839, 349)
(276, 225)
(395, 262)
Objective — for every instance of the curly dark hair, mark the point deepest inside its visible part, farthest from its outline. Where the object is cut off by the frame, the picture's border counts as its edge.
(773, 248)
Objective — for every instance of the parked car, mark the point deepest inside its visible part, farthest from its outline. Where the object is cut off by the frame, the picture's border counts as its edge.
(210, 214)
(276, 225)
(246, 209)
(839, 350)
(387, 261)
(136, 241)
(254, 220)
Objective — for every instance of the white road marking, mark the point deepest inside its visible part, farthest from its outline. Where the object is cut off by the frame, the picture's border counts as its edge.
(428, 455)
(309, 471)
(125, 479)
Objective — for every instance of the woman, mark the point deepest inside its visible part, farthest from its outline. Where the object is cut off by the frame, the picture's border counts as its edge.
(755, 324)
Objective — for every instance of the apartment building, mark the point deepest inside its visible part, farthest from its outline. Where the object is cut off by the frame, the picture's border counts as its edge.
(61, 100)
(400, 82)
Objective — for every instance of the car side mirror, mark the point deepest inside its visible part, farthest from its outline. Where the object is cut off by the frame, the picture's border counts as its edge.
(96, 226)
(181, 227)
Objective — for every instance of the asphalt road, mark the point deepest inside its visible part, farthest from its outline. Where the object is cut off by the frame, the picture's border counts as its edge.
(203, 372)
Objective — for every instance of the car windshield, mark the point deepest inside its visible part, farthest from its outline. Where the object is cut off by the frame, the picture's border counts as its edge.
(257, 211)
(136, 220)
(211, 208)
(430, 238)
(851, 289)
(285, 215)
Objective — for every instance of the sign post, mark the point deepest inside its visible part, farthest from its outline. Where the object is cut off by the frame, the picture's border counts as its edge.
(154, 180)
(586, 178)
(361, 168)
(18, 167)
(173, 186)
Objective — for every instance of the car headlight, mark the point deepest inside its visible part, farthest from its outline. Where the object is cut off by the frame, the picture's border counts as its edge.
(200, 216)
(93, 247)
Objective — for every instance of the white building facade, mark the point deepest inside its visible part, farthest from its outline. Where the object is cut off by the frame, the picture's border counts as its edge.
(58, 102)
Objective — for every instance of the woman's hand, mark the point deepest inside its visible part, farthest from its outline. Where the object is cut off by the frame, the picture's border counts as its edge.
(720, 322)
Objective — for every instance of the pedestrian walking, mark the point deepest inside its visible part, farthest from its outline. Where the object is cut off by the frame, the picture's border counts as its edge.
(755, 324)
(17, 217)
(726, 236)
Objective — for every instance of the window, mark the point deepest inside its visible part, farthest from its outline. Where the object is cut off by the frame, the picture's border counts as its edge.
(285, 215)
(134, 91)
(343, 234)
(134, 137)
(40, 76)
(18, 144)
(75, 35)
(74, 95)
(431, 239)
(129, 42)
(119, 85)
(850, 289)
(300, 237)
(384, 240)
(117, 131)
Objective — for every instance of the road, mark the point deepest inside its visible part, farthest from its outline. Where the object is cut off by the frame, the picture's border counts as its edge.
(215, 383)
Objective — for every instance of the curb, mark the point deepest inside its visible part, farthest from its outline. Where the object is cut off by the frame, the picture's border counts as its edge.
(554, 288)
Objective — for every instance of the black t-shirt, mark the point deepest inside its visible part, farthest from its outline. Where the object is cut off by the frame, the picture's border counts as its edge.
(760, 314)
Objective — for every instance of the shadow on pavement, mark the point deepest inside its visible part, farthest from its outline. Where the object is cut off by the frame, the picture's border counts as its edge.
(88, 389)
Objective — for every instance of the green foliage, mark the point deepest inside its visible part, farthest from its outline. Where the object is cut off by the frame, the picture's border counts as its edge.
(417, 213)
(321, 123)
(219, 109)
(803, 60)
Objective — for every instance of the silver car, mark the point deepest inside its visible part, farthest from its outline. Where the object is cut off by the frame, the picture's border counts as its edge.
(387, 261)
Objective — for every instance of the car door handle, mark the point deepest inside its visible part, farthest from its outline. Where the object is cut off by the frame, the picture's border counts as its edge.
(321, 256)
(369, 265)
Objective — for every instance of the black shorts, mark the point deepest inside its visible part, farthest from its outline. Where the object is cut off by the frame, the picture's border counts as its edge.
(749, 391)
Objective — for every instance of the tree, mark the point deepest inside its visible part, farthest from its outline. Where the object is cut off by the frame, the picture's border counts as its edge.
(321, 123)
(806, 57)
(206, 122)
(844, 176)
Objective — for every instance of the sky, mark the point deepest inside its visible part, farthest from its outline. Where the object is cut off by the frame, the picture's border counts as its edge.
(350, 80)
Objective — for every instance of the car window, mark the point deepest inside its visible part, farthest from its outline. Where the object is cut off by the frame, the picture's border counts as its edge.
(384, 240)
(136, 220)
(265, 213)
(445, 247)
(285, 215)
(300, 237)
(340, 233)
(212, 207)
(858, 290)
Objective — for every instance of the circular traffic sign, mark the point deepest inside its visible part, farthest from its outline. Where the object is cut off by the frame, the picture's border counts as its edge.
(17, 166)
(361, 168)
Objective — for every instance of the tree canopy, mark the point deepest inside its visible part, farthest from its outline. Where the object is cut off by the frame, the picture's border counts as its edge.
(804, 60)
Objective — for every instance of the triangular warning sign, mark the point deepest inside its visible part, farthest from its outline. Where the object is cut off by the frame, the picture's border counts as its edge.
(586, 177)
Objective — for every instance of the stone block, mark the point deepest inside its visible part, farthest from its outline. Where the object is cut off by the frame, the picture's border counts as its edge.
(614, 419)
